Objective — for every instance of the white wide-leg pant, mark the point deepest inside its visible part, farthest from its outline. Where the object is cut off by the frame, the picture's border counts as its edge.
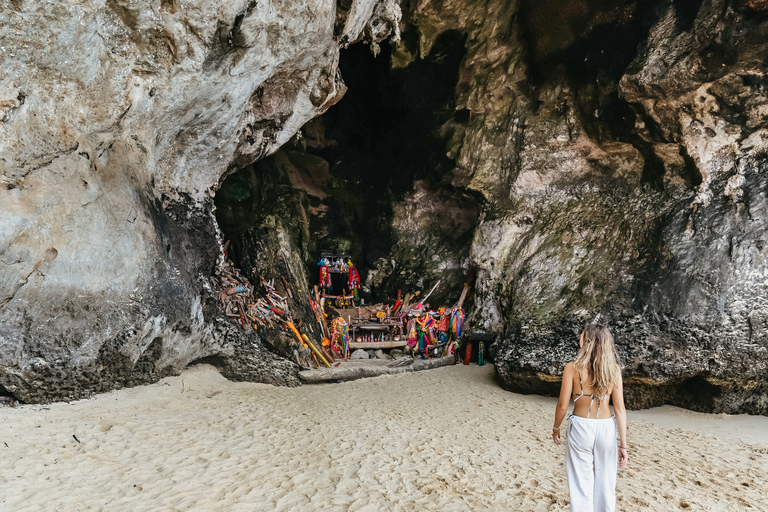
(591, 459)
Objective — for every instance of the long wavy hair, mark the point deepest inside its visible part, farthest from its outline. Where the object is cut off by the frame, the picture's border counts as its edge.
(598, 360)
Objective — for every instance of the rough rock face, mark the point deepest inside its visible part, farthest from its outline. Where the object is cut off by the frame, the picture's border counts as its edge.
(618, 163)
(261, 209)
(432, 230)
(635, 198)
(116, 120)
(582, 160)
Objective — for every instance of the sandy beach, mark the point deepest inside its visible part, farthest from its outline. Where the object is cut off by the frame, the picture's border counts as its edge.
(444, 440)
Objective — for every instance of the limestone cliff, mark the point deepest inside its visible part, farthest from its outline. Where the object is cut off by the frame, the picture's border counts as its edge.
(577, 161)
(117, 120)
(621, 148)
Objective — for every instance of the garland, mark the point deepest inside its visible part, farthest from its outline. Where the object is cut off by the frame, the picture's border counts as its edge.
(340, 337)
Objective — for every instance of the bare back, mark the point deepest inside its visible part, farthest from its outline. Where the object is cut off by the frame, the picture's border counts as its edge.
(586, 403)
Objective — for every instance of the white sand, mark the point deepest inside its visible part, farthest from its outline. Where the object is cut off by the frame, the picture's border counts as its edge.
(442, 440)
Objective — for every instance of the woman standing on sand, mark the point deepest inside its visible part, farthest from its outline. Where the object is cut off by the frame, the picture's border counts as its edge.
(590, 457)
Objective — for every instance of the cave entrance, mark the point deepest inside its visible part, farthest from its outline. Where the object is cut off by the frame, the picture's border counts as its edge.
(334, 186)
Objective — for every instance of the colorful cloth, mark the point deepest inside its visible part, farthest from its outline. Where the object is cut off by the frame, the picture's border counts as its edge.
(413, 337)
(427, 324)
(457, 322)
(354, 281)
(325, 278)
(445, 324)
(340, 337)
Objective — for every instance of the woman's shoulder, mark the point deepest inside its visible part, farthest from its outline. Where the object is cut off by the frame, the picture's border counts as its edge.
(570, 368)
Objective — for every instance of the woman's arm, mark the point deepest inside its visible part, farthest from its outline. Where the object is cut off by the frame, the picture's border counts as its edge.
(566, 389)
(621, 420)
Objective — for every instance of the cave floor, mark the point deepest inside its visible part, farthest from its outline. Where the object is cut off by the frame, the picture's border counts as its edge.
(447, 439)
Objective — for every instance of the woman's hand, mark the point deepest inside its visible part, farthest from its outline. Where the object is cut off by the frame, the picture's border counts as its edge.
(556, 436)
(623, 457)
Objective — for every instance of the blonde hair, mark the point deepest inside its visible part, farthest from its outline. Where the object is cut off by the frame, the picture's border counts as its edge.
(598, 359)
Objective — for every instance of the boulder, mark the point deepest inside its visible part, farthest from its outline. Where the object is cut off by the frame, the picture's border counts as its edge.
(360, 354)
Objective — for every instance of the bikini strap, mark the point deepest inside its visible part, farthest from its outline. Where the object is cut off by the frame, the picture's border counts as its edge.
(591, 399)
(581, 392)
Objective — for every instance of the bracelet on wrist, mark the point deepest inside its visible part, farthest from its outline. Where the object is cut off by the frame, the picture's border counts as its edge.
(556, 428)
(622, 447)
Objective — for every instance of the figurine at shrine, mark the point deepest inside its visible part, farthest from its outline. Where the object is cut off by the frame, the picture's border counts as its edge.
(354, 280)
(443, 326)
(413, 336)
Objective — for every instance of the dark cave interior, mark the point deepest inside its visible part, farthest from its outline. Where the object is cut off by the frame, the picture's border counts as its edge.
(334, 186)
(337, 184)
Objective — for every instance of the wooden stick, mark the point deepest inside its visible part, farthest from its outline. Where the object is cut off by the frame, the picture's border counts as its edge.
(430, 292)
(317, 352)
(287, 288)
(295, 331)
(321, 305)
(328, 354)
(325, 322)
(463, 297)
(320, 321)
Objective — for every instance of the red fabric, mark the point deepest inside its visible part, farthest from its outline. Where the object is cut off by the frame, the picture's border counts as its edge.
(325, 277)
(445, 323)
(354, 279)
